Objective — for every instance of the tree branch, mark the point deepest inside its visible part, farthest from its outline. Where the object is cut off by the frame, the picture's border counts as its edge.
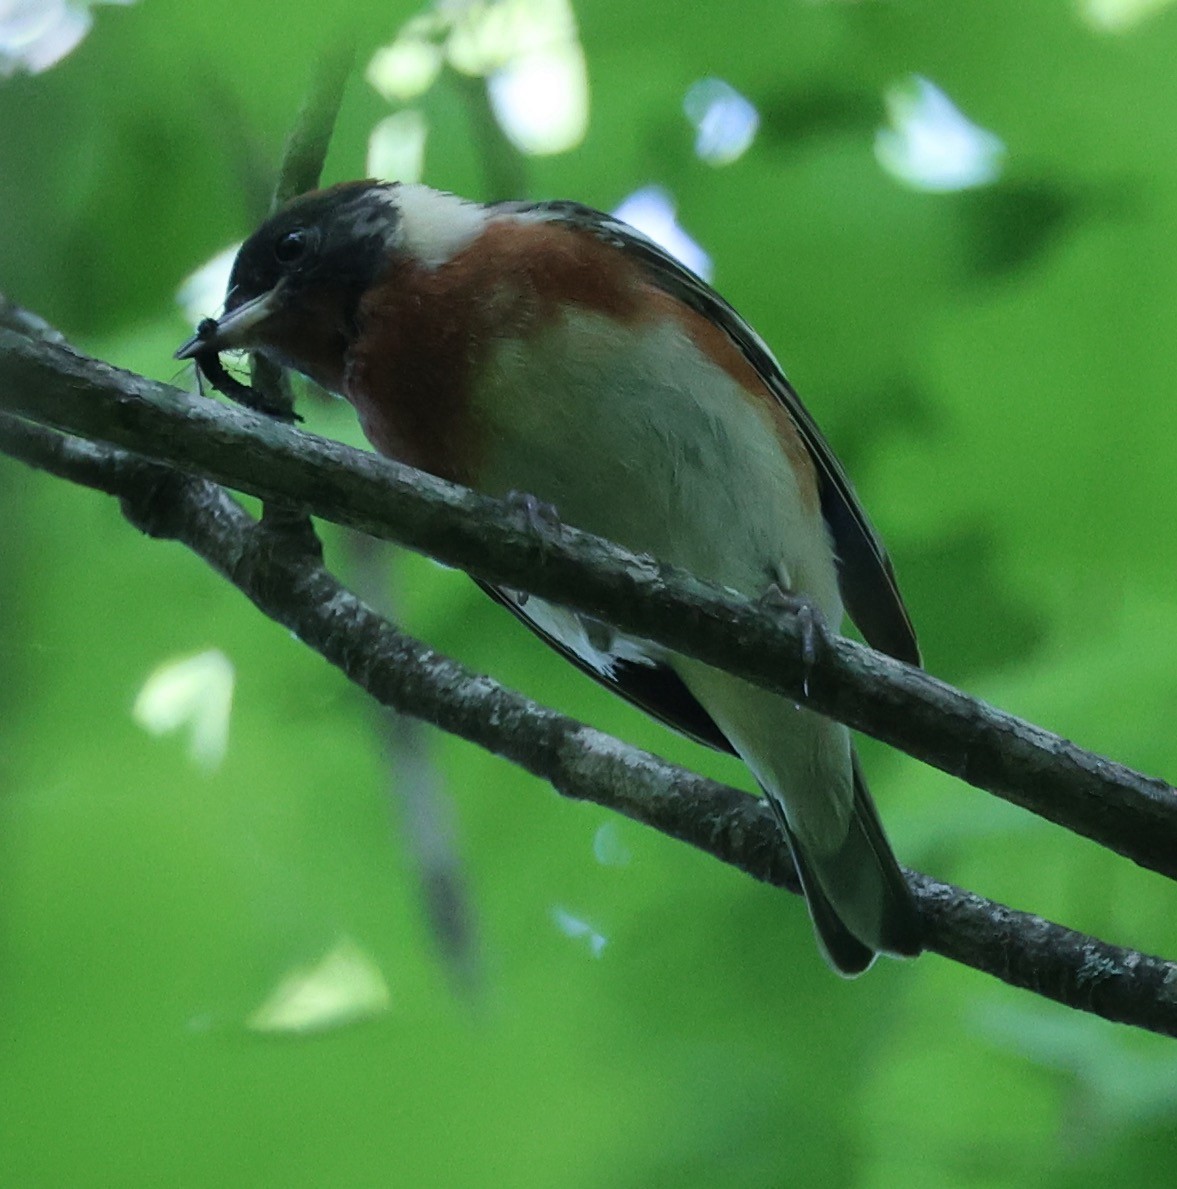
(284, 577)
(1124, 810)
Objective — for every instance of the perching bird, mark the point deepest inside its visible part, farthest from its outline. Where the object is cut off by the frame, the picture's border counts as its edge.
(548, 349)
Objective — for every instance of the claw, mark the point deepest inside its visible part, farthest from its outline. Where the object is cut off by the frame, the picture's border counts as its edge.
(810, 622)
(542, 518)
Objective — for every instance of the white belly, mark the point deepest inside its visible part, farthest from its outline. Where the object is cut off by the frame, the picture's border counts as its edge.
(639, 437)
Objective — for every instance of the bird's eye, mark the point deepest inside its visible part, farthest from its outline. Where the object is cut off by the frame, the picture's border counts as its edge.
(291, 247)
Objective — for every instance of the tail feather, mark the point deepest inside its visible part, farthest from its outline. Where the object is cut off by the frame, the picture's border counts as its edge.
(841, 949)
(858, 898)
(901, 932)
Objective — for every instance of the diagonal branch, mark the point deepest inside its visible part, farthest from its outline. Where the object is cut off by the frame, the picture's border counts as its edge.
(284, 577)
(1131, 813)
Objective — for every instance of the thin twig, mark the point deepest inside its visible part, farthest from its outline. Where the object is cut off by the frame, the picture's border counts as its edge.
(425, 814)
(306, 147)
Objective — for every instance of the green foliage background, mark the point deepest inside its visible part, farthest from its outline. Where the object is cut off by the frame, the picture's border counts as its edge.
(995, 369)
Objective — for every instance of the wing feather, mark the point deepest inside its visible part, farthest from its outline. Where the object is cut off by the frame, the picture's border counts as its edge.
(647, 683)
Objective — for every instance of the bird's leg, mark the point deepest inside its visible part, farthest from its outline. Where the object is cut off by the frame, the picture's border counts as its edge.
(812, 624)
(541, 517)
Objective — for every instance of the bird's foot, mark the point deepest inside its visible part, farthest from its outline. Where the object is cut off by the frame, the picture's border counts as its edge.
(810, 621)
(542, 518)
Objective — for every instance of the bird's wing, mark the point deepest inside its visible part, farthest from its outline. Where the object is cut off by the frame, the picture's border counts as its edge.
(865, 576)
(621, 665)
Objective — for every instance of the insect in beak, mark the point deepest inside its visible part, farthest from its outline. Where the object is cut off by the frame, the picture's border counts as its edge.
(235, 329)
(232, 332)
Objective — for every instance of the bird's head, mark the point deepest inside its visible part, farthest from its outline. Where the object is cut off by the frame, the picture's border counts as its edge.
(297, 282)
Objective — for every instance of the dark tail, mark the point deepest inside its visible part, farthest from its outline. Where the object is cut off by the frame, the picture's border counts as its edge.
(857, 896)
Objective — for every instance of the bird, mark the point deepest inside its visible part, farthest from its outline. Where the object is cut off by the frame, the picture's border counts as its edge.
(549, 350)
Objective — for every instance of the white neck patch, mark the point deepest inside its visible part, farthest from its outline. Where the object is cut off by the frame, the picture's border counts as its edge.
(434, 226)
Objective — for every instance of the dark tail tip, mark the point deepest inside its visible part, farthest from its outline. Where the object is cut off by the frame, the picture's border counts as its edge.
(858, 897)
(843, 951)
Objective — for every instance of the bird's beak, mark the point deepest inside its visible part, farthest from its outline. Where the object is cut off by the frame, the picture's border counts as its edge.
(236, 330)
